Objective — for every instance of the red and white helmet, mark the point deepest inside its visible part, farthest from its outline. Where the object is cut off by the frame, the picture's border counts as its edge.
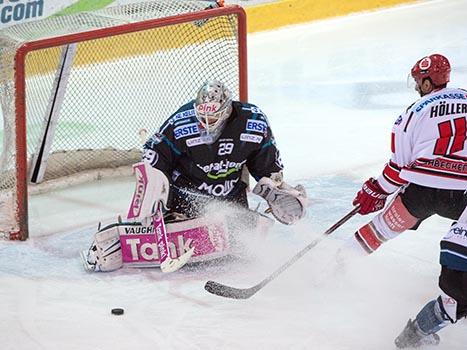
(436, 67)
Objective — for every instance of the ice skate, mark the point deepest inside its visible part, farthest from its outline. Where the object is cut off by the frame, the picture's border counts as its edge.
(412, 337)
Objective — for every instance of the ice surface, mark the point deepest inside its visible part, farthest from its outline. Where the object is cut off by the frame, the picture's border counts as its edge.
(332, 90)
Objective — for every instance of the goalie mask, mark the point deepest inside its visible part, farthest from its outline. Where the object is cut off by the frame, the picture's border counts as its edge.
(213, 105)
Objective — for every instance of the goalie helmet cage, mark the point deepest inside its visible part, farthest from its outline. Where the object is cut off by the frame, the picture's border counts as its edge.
(76, 90)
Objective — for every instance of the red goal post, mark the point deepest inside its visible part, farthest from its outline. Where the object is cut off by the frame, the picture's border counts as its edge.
(105, 76)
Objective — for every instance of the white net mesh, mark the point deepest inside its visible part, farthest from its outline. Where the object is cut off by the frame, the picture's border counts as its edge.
(116, 85)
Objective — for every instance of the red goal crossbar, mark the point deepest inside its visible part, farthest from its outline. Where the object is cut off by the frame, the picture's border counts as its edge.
(20, 80)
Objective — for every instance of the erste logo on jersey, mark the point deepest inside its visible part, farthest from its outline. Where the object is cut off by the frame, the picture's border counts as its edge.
(256, 125)
(186, 130)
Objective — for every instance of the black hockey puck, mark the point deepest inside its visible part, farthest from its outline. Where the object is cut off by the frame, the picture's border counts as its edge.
(117, 311)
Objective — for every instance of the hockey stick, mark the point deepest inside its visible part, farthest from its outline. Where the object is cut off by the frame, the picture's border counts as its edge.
(245, 293)
(168, 264)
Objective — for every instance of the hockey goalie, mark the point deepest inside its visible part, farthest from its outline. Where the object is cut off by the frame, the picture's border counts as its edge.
(190, 176)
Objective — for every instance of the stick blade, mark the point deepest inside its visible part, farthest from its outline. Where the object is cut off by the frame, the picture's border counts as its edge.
(172, 265)
(229, 292)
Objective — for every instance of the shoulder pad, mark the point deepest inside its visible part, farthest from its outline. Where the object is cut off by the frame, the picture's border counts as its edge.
(254, 112)
(183, 115)
(154, 140)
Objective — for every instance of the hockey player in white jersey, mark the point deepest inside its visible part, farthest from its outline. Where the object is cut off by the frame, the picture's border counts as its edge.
(428, 171)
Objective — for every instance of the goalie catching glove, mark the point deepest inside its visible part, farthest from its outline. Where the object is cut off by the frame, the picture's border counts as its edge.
(287, 204)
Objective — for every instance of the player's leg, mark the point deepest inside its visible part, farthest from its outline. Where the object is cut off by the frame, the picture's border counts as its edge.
(448, 308)
(451, 203)
(412, 337)
(451, 305)
(405, 212)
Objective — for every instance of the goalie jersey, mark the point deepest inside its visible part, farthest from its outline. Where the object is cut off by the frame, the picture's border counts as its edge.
(187, 154)
(428, 143)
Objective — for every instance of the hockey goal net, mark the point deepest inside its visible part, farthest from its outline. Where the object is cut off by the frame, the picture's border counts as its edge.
(80, 92)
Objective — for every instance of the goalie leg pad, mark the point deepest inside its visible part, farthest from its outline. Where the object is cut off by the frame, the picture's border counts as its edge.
(152, 187)
(105, 253)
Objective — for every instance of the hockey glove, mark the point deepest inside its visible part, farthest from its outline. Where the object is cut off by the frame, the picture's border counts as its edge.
(371, 197)
(287, 203)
